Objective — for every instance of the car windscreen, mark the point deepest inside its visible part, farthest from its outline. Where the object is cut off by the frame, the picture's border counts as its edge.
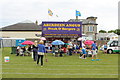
(109, 42)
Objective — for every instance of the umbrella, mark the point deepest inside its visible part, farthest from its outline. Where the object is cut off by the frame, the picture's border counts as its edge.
(88, 42)
(57, 42)
(43, 38)
(27, 42)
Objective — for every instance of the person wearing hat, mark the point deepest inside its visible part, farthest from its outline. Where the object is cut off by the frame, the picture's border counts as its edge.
(41, 52)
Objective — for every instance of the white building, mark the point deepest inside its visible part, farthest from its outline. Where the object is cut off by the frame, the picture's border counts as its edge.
(106, 36)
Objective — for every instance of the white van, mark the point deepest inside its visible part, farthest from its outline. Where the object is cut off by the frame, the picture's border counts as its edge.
(113, 46)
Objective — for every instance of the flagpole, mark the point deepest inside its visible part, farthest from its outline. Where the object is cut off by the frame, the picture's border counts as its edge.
(48, 17)
(77, 18)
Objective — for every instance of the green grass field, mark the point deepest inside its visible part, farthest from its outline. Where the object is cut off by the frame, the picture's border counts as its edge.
(60, 67)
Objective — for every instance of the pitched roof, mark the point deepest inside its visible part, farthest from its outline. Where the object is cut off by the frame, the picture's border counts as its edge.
(23, 26)
(84, 21)
(89, 20)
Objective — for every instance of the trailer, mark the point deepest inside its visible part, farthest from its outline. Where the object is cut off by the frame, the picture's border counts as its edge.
(9, 42)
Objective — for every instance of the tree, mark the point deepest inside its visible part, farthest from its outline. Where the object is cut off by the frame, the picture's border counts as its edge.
(117, 31)
(102, 31)
(111, 31)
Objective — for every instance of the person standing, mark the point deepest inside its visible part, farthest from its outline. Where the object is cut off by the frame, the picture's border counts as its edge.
(53, 49)
(70, 47)
(35, 51)
(41, 52)
(105, 48)
(29, 50)
(94, 50)
(18, 50)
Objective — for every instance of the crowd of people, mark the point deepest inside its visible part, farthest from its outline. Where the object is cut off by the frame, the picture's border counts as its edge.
(69, 48)
(38, 50)
(66, 49)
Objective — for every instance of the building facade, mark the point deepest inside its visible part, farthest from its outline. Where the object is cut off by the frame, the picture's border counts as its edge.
(89, 27)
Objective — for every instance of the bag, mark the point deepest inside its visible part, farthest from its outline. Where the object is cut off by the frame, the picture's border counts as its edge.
(40, 53)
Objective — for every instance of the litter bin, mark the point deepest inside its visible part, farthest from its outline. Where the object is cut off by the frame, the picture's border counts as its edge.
(14, 50)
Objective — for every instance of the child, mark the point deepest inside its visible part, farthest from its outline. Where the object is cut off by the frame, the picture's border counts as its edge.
(83, 52)
(94, 51)
(105, 48)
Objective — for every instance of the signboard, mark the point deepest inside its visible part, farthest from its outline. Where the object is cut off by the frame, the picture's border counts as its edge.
(62, 29)
(19, 41)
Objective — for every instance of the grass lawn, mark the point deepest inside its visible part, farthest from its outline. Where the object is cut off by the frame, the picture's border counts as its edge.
(60, 67)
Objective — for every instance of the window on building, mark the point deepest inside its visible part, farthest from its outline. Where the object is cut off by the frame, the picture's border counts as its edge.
(90, 28)
(93, 28)
(101, 39)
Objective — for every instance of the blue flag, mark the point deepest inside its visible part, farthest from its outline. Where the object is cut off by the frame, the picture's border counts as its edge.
(78, 13)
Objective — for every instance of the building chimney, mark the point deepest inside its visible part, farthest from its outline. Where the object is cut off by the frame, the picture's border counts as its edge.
(36, 22)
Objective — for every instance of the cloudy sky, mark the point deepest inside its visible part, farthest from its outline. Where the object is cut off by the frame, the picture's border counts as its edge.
(15, 11)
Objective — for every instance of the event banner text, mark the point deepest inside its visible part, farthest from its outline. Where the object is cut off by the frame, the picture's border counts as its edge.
(62, 29)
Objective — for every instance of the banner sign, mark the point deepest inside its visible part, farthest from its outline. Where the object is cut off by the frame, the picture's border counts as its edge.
(19, 41)
(62, 29)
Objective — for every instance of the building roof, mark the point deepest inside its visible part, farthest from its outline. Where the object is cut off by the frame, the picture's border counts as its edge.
(23, 26)
(87, 21)
(84, 21)
(91, 17)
